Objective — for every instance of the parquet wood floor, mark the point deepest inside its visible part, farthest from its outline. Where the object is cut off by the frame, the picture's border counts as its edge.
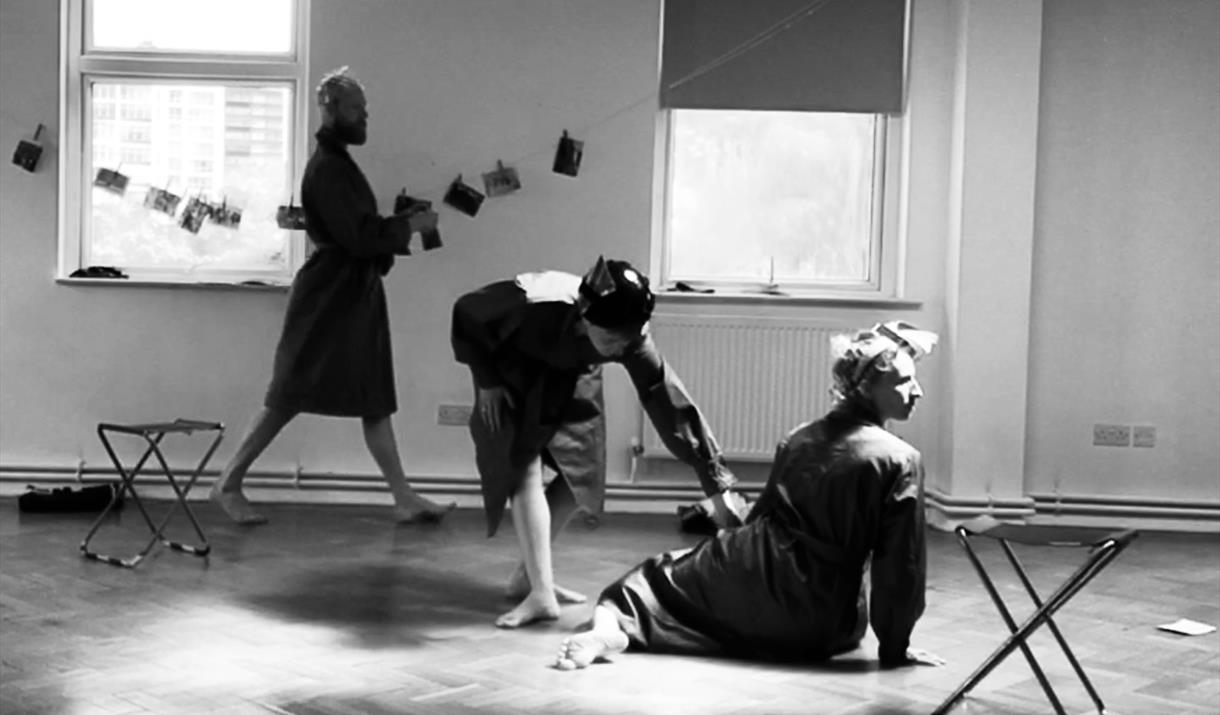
(333, 610)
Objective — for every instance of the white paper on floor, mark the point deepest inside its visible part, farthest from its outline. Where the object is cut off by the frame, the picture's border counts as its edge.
(1187, 627)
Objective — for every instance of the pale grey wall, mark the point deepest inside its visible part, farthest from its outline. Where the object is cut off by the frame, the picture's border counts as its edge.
(1127, 156)
(1126, 308)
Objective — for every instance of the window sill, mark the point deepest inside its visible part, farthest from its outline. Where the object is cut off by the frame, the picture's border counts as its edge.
(150, 283)
(723, 297)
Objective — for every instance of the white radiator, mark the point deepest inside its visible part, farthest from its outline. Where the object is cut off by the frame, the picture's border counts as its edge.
(754, 379)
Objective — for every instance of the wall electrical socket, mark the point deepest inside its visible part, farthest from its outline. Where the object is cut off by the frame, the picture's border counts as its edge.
(1143, 436)
(453, 415)
(1111, 435)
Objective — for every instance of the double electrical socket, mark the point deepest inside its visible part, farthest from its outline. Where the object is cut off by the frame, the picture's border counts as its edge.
(1105, 435)
(453, 415)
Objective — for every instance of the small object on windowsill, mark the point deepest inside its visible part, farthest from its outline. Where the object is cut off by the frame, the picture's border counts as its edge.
(684, 287)
(252, 283)
(97, 272)
(772, 288)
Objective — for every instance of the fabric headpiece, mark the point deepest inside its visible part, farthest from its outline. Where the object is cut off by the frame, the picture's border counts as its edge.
(894, 335)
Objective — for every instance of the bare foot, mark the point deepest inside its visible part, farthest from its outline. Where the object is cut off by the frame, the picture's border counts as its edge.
(534, 608)
(418, 510)
(235, 506)
(519, 587)
(582, 649)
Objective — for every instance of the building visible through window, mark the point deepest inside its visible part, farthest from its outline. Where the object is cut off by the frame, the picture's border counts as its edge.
(225, 132)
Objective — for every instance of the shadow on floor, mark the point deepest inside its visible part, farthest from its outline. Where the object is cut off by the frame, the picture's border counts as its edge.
(382, 605)
(345, 706)
(37, 702)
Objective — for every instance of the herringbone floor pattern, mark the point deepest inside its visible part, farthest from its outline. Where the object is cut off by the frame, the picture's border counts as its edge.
(335, 611)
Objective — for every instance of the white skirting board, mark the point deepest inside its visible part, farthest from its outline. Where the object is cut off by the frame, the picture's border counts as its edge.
(944, 511)
(1148, 513)
(345, 489)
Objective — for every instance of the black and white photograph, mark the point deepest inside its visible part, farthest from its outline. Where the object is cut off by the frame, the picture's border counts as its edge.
(501, 181)
(28, 152)
(798, 357)
(162, 200)
(290, 217)
(225, 214)
(569, 153)
(111, 180)
(464, 197)
(194, 213)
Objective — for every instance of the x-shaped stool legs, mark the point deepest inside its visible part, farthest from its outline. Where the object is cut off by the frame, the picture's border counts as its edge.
(1104, 550)
(153, 434)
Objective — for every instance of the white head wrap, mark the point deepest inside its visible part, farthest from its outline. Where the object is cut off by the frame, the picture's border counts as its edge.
(894, 335)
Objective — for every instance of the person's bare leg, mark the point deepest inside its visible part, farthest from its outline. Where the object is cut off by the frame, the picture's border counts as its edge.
(226, 491)
(605, 638)
(409, 505)
(531, 521)
(562, 504)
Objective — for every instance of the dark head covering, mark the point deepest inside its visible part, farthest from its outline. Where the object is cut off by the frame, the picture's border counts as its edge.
(616, 295)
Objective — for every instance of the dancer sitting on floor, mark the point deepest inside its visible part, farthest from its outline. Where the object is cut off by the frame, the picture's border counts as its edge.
(334, 356)
(789, 584)
(535, 346)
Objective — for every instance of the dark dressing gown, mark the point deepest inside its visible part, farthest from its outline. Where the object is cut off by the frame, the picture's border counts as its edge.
(789, 584)
(334, 355)
(531, 344)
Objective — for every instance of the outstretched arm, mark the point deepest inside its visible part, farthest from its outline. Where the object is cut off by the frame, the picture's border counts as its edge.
(676, 418)
(899, 568)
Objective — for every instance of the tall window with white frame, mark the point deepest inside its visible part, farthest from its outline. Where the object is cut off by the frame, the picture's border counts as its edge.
(202, 117)
(780, 166)
(775, 201)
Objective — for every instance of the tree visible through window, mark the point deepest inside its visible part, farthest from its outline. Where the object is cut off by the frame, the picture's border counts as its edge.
(786, 199)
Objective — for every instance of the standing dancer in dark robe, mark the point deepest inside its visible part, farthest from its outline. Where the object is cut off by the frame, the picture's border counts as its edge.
(334, 354)
(535, 347)
(789, 585)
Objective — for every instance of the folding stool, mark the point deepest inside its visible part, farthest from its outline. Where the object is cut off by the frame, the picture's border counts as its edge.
(153, 433)
(1105, 545)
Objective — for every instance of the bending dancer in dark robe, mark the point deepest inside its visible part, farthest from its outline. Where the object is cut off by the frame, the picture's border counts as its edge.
(535, 347)
(843, 493)
(334, 354)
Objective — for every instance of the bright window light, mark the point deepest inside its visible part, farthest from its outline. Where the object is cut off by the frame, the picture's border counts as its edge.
(224, 144)
(218, 26)
(784, 199)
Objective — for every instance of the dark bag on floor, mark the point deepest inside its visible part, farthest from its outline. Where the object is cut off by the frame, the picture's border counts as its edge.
(67, 499)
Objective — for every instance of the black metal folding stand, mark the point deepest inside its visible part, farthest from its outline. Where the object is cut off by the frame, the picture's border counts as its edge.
(153, 433)
(1104, 546)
